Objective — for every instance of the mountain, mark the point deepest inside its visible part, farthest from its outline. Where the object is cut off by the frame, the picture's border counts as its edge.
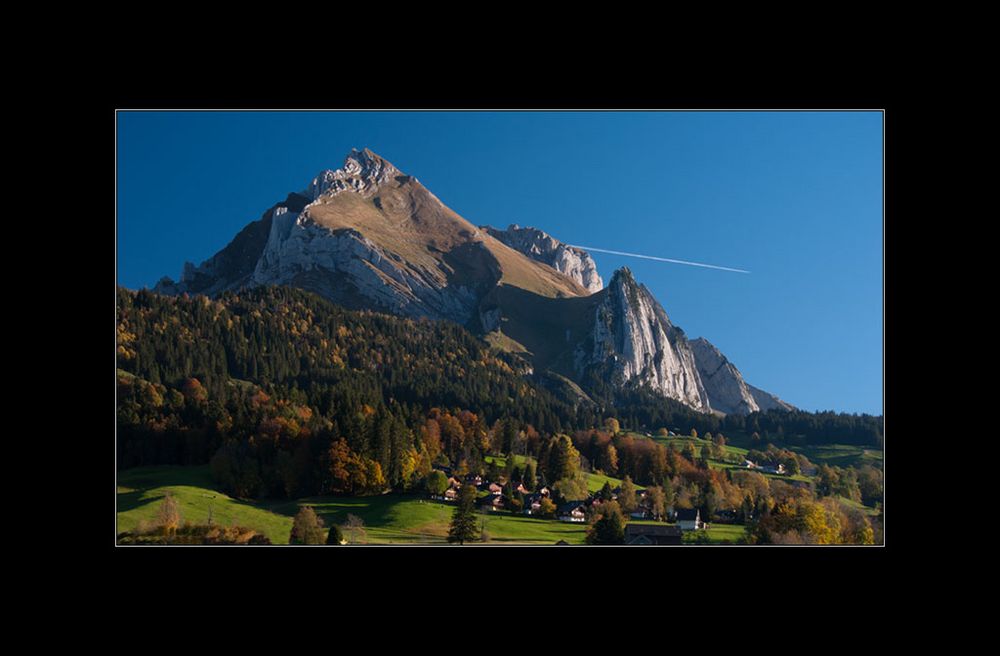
(635, 342)
(727, 391)
(570, 261)
(619, 337)
(368, 236)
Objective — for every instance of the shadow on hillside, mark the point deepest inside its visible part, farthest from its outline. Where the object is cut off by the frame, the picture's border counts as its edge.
(132, 500)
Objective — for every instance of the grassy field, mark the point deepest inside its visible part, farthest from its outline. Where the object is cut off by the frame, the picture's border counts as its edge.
(840, 455)
(140, 491)
(718, 534)
(859, 506)
(388, 519)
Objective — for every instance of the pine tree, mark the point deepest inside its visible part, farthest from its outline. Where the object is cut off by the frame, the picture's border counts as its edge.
(463, 520)
(529, 478)
(609, 528)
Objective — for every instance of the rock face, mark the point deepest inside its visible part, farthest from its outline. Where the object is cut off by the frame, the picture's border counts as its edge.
(727, 391)
(635, 342)
(570, 261)
(766, 401)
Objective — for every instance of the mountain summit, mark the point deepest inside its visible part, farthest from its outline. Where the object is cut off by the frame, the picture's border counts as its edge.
(362, 173)
(368, 236)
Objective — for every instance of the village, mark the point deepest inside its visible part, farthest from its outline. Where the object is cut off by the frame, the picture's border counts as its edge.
(541, 504)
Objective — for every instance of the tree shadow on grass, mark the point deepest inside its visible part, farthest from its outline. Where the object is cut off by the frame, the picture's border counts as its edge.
(133, 499)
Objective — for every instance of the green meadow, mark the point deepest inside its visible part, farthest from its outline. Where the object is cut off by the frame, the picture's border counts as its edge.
(388, 519)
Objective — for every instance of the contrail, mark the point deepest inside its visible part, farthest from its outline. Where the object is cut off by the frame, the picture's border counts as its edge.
(659, 259)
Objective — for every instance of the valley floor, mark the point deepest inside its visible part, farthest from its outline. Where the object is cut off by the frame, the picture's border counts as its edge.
(388, 519)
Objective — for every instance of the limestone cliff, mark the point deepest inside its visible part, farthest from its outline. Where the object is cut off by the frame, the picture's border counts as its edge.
(570, 261)
(634, 342)
(727, 391)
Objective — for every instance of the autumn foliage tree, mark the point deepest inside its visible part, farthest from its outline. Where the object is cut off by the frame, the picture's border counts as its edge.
(307, 528)
(168, 516)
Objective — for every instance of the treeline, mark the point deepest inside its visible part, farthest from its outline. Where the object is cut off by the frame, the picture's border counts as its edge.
(641, 410)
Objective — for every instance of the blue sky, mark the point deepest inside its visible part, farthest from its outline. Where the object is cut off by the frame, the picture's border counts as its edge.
(796, 198)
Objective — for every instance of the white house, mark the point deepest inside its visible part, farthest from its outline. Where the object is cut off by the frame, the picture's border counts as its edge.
(572, 512)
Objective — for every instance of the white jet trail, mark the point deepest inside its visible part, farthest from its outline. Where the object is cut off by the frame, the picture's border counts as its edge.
(659, 259)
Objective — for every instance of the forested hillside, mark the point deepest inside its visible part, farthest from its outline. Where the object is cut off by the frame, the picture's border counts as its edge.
(285, 394)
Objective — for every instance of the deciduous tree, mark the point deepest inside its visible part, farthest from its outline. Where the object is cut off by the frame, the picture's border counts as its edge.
(307, 528)
(168, 517)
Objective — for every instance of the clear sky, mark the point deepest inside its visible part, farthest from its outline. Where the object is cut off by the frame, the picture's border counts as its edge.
(795, 198)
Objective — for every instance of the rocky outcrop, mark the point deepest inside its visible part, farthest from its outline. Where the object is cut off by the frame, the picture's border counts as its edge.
(350, 269)
(727, 391)
(634, 342)
(362, 173)
(573, 262)
(766, 401)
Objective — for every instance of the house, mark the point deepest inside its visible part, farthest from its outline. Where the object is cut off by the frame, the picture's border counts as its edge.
(491, 502)
(656, 534)
(574, 511)
(494, 488)
(450, 494)
(749, 464)
(544, 491)
(532, 504)
(474, 479)
(689, 520)
(640, 513)
(522, 489)
(454, 482)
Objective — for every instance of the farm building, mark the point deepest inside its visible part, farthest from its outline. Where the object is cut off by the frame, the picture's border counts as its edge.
(649, 534)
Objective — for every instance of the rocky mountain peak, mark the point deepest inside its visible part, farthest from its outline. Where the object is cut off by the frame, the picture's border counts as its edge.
(623, 276)
(363, 171)
(634, 340)
(572, 262)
